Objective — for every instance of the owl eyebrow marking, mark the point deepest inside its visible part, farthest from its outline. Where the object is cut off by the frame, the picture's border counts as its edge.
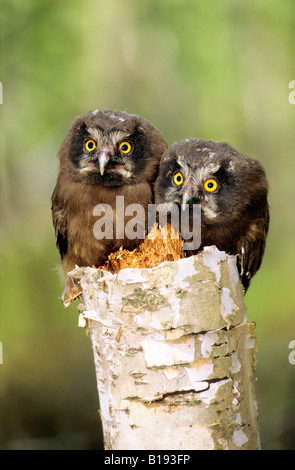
(95, 133)
(112, 137)
(180, 161)
(117, 136)
(183, 167)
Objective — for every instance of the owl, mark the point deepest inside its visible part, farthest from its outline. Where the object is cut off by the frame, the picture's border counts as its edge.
(232, 192)
(106, 154)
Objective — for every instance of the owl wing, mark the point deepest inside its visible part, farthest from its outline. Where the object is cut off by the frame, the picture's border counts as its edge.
(60, 225)
(251, 249)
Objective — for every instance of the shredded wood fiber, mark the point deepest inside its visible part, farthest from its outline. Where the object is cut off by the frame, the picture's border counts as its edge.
(161, 244)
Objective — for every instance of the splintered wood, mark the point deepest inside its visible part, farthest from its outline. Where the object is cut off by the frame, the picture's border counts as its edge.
(161, 244)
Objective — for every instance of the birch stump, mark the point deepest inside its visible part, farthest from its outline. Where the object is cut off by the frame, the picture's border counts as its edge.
(174, 354)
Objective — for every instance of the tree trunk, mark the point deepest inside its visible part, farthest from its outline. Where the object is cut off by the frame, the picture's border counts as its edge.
(174, 354)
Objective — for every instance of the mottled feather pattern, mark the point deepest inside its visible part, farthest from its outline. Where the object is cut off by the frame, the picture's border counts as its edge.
(127, 156)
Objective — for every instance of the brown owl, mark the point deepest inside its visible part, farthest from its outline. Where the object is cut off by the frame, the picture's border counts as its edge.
(232, 191)
(104, 155)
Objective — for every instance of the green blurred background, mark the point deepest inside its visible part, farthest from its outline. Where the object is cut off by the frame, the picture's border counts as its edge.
(218, 70)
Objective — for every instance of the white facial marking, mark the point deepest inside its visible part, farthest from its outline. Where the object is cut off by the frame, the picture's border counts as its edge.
(101, 138)
(209, 212)
(124, 172)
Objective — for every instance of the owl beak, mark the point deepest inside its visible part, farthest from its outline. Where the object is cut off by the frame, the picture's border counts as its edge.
(186, 197)
(103, 160)
(103, 157)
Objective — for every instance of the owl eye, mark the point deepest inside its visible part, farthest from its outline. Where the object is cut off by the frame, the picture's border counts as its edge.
(211, 185)
(178, 178)
(125, 147)
(90, 145)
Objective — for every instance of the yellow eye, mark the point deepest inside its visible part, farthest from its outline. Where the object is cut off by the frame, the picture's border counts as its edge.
(90, 145)
(211, 185)
(178, 178)
(125, 147)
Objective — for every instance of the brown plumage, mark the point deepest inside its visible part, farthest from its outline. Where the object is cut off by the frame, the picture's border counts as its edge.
(232, 190)
(105, 154)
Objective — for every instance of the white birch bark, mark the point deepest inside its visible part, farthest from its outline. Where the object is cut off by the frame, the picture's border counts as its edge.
(174, 355)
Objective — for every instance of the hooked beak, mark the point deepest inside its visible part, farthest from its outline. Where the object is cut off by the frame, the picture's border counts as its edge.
(103, 157)
(102, 160)
(186, 197)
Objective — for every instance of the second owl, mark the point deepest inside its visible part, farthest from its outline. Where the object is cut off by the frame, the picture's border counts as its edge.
(232, 191)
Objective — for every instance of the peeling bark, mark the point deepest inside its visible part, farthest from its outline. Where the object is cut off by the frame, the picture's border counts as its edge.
(174, 354)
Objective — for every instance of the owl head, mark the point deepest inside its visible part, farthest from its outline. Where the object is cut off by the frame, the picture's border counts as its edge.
(111, 148)
(213, 174)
